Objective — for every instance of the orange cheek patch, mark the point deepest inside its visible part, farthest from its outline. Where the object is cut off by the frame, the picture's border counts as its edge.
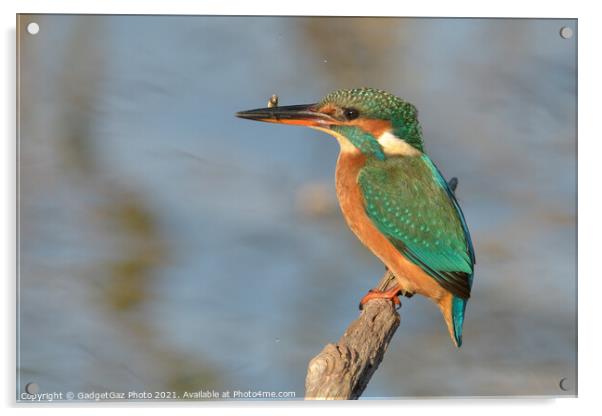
(373, 126)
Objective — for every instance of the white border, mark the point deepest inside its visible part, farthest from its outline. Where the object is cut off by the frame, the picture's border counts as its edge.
(589, 179)
(459, 8)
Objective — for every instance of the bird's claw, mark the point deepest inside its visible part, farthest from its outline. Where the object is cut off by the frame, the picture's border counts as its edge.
(391, 294)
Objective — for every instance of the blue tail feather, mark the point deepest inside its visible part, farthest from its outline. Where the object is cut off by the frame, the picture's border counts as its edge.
(458, 309)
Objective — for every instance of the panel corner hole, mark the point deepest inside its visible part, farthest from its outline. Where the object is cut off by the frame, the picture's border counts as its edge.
(566, 32)
(33, 28)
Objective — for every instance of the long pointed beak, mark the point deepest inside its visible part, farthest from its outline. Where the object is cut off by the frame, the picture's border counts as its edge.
(301, 115)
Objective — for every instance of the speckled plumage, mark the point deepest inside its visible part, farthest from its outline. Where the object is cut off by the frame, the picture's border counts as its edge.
(417, 214)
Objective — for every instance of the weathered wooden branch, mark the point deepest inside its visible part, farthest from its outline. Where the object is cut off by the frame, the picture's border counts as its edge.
(343, 370)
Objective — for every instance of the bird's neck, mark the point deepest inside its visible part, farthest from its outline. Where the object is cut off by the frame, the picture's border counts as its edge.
(354, 139)
(394, 146)
(408, 127)
(377, 145)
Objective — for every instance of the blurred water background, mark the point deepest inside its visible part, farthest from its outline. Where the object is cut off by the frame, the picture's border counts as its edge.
(167, 246)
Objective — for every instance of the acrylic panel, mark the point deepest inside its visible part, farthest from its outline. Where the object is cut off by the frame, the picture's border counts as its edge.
(168, 250)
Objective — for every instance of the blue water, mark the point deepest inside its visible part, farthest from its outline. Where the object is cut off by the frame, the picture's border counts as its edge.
(166, 245)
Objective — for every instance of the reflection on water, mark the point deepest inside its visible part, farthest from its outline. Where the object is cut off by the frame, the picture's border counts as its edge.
(167, 246)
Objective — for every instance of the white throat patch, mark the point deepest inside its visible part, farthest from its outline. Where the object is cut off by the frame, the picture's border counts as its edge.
(344, 143)
(393, 145)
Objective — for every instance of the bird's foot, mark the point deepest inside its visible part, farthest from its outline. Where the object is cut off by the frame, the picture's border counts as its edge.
(391, 294)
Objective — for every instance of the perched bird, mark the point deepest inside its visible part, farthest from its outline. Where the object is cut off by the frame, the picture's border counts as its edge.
(392, 195)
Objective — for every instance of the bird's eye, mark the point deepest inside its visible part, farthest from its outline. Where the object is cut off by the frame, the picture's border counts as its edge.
(351, 113)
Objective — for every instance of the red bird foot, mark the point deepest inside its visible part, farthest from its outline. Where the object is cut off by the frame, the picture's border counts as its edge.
(391, 294)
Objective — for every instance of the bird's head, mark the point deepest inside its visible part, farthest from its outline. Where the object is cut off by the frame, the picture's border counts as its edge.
(364, 120)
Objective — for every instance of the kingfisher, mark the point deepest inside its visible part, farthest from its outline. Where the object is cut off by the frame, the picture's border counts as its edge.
(392, 195)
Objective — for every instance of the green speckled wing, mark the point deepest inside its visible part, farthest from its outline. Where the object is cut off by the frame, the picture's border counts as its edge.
(409, 201)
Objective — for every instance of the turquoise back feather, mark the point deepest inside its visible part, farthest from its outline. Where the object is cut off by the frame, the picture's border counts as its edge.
(410, 202)
(458, 304)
